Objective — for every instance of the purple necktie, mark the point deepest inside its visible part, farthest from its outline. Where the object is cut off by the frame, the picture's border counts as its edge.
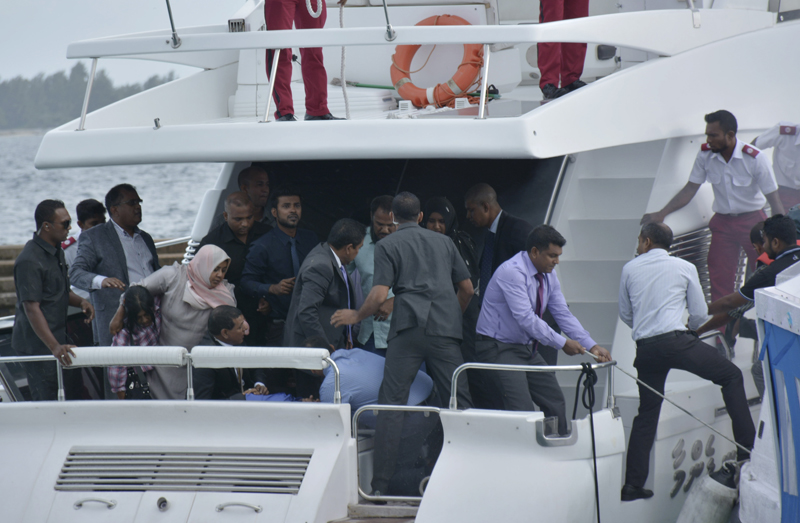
(539, 300)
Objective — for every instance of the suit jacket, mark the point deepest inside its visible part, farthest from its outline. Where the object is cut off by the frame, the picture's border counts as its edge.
(100, 253)
(319, 291)
(221, 384)
(512, 232)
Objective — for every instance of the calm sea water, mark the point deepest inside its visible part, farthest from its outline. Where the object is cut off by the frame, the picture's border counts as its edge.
(171, 192)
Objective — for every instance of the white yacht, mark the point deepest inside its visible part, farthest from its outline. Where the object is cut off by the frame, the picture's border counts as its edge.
(590, 163)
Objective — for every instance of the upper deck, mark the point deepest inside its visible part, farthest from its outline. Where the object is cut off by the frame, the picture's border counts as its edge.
(217, 115)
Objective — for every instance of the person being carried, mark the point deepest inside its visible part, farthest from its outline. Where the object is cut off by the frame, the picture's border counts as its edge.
(140, 327)
(743, 183)
(510, 327)
(227, 327)
(654, 292)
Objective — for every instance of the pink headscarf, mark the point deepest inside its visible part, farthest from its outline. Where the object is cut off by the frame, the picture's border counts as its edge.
(199, 292)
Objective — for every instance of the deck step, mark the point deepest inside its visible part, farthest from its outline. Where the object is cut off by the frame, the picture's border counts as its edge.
(363, 512)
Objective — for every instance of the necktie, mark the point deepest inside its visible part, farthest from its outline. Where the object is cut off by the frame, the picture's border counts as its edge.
(295, 257)
(539, 300)
(486, 262)
(347, 286)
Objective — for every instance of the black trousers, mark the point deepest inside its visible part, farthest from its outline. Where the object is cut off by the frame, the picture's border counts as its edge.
(43, 381)
(520, 390)
(406, 352)
(653, 363)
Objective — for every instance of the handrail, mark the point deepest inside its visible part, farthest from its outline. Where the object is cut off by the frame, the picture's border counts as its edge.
(174, 241)
(403, 408)
(663, 32)
(518, 368)
(86, 96)
(551, 206)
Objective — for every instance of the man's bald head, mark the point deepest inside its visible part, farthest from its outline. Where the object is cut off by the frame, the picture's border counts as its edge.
(481, 204)
(239, 213)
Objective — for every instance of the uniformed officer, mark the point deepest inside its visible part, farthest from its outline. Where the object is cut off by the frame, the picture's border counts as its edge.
(785, 141)
(741, 178)
(421, 267)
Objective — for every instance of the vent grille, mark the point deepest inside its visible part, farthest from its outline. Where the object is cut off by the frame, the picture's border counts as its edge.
(220, 470)
(236, 25)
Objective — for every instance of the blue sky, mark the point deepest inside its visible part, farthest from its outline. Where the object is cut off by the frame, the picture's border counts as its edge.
(34, 34)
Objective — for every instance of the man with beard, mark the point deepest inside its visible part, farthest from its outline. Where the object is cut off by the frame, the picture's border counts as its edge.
(743, 183)
(274, 261)
(235, 236)
(254, 181)
(375, 329)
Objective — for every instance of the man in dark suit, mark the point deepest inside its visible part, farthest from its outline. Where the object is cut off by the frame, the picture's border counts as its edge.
(112, 256)
(226, 328)
(235, 236)
(323, 287)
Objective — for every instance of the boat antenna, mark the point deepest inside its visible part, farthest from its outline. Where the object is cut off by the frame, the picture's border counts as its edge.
(176, 41)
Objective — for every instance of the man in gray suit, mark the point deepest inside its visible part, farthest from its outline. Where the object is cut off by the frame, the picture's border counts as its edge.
(112, 256)
(322, 287)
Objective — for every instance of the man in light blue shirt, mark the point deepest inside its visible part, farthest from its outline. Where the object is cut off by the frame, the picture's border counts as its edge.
(374, 330)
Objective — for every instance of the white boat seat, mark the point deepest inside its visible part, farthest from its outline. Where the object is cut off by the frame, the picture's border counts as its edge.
(216, 357)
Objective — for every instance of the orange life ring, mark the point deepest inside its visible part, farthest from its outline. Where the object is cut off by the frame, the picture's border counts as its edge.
(465, 78)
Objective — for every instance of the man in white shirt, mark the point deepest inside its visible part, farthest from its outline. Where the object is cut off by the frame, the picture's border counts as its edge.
(743, 183)
(654, 291)
(784, 138)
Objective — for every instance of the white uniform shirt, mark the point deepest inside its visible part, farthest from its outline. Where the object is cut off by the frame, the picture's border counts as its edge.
(70, 253)
(740, 184)
(785, 139)
(655, 290)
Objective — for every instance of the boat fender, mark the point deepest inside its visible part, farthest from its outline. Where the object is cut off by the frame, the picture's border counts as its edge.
(712, 500)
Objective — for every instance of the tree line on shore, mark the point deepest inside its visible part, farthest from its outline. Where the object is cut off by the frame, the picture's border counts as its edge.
(48, 101)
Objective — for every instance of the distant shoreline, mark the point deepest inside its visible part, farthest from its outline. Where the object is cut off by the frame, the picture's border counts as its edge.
(22, 132)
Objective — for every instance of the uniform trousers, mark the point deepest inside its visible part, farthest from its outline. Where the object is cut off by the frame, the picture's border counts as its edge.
(280, 14)
(407, 350)
(520, 390)
(686, 352)
(789, 197)
(561, 60)
(728, 233)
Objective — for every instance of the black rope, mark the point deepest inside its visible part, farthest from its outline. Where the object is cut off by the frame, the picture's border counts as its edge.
(588, 400)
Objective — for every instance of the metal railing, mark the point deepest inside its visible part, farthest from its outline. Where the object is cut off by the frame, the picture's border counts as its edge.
(519, 368)
(551, 206)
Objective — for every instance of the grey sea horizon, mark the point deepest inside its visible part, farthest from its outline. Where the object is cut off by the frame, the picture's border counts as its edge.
(171, 192)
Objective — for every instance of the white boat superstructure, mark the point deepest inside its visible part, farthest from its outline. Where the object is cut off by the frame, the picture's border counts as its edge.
(590, 163)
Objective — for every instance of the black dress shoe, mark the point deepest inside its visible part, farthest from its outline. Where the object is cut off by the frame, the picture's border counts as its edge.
(631, 493)
(286, 118)
(551, 92)
(377, 493)
(577, 84)
(328, 116)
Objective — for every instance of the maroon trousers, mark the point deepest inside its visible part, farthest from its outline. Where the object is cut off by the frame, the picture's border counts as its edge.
(728, 233)
(789, 197)
(557, 60)
(280, 14)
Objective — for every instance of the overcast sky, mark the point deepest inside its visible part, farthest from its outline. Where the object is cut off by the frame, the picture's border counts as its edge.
(34, 34)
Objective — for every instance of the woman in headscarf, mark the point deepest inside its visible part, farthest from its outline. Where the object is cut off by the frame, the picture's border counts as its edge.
(440, 216)
(188, 294)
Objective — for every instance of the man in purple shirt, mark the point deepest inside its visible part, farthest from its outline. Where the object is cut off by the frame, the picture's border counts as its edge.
(510, 326)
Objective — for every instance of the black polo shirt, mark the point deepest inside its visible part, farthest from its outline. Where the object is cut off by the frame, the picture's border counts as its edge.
(223, 237)
(766, 277)
(40, 275)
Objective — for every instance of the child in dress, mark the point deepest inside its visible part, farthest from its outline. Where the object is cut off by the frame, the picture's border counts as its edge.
(141, 326)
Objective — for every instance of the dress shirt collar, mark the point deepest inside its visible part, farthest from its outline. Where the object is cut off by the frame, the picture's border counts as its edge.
(123, 232)
(282, 236)
(656, 251)
(336, 257)
(737, 152)
(406, 225)
(787, 251)
(496, 222)
(49, 249)
(222, 342)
